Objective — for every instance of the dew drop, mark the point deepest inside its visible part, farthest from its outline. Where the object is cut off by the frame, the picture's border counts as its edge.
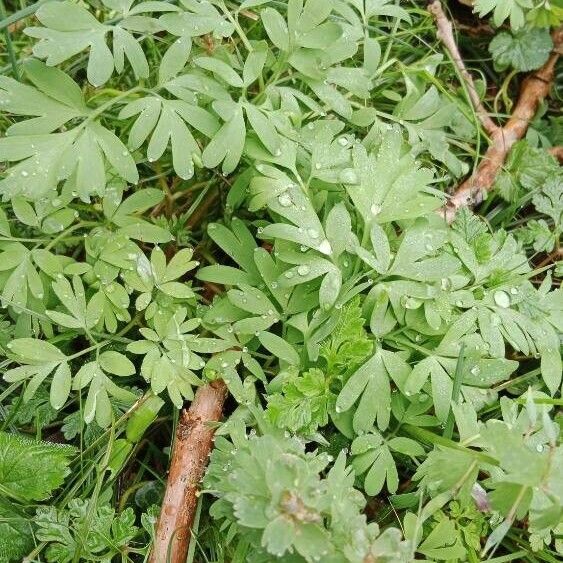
(303, 270)
(375, 209)
(502, 299)
(348, 176)
(285, 200)
(325, 247)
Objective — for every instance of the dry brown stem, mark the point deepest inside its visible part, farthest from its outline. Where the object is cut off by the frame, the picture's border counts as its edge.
(557, 152)
(446, 35)
(535, 87)
(193, 442)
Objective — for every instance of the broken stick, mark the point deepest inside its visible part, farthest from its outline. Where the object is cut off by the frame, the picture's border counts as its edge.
(557, 152)
(192, 444)
(535, 88)
(446, 35)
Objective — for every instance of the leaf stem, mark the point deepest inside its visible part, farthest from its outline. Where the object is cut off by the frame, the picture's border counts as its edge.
(435, 439)
(21, 14)
(9, 44)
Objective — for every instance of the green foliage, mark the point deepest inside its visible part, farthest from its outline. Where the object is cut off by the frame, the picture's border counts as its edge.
(538, 13)
(513, 10)
(307, 400)
(527, 168)
(29, 471)
(522, 455)
(91, 535)
(522, 50)
(302, 152)
(269, 486)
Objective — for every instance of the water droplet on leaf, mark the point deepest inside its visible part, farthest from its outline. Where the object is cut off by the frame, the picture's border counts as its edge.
(502, 299)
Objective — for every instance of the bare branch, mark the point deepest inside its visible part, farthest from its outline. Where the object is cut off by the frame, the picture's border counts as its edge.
(446, 36)
(535, 88)
(193, 442)
(557, 152)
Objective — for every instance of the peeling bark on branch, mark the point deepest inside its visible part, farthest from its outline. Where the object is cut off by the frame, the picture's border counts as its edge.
(557, 152)
(192, 444)
(446, 36)
(535, 88)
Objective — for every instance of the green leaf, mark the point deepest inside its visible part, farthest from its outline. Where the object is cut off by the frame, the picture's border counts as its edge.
(304, 403)
(16, 537)
(442, 388)
(254, 63)
(401, 190)
(116, 363)
(198, 18)
(144, 231)
(263, 128)
(227, 144)
(220, 69)
(35, 352)
(279, 347)
(369, 384)
(522, 50)
(32, 470)
(165, 121)
(278, 536)
(55, 100)
(443, 542)
(276, 28)
(116, 153)
(372, 54)
(60, 386)
(550, 200)
(70, 29)
(503, 9)
(174, 59)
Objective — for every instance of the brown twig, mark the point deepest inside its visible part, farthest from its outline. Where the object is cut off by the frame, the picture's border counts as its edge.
(193, 442)
(557, 152)
(446, 36)
(535, 88)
